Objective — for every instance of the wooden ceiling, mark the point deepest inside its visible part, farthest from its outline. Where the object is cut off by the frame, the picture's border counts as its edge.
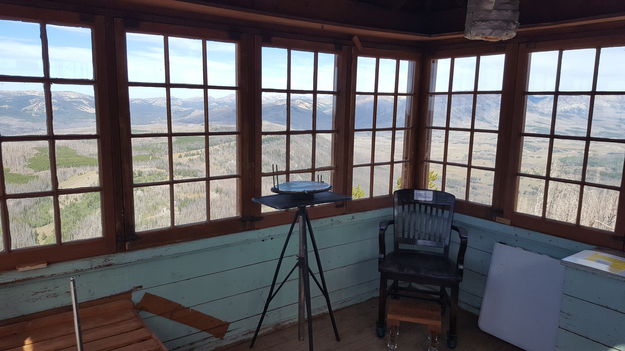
(419, 16)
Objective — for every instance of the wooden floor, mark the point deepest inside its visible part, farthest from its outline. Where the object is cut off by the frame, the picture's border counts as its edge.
(357, 329)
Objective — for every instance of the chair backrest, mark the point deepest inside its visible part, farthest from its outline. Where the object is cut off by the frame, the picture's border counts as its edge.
(423, 218)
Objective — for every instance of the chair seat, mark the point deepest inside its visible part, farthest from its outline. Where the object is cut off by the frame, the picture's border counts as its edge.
(420, 266)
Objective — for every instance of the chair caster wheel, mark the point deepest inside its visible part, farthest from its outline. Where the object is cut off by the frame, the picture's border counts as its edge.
(452, 341)
(380, 330)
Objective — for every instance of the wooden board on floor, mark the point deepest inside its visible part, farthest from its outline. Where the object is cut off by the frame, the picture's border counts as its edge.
(106, 324)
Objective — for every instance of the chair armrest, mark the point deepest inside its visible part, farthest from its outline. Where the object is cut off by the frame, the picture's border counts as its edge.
(382, 238)
(462, 233)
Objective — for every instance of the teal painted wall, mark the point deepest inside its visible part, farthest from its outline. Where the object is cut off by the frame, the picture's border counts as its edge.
(229, 276)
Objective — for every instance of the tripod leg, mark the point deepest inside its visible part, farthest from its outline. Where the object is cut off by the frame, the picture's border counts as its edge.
(306, 277)
(273, 282)
(324, 291)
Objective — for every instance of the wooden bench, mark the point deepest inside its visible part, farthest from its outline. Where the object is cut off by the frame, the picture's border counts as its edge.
(110, 323)
(413, 311)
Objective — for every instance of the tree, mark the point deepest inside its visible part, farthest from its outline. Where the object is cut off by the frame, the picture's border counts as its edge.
(432, 177)
(357, 192)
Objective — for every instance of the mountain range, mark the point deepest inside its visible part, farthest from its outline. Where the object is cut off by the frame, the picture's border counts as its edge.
(23, 112)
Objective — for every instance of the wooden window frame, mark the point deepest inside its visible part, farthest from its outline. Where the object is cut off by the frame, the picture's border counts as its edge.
(615, 239)
(465, 206)
(175, 233)
(268, 219)
(410, 129)
(62, 251)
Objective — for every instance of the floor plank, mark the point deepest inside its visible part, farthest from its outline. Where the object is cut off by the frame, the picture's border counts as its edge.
(357, 329)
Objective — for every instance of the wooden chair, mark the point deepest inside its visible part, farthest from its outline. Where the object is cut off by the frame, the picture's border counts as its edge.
(422, 220)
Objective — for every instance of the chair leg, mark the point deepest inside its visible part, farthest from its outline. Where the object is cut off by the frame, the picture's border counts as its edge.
(443, 299)
(380, 329)
(395, 289)
(452, 336)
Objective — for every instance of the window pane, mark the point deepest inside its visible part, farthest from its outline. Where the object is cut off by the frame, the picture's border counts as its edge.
(384, 115)
(440, 75)
(146, 58)
(381, 177)
(360, 181)
(464, 74)
(611, 76)
(542, 71)
(534, 155)
(456, 181)
(300, 177)
(221, 63)
(491, 72)
(274, 111)
(301, 111)
(302, 68)
(487, 109)
(481, 190)
(435, 176)
(26, 166)
(365, 76)
(383, 142)
(605, 163)
(461, 110)
(362, 147)
(438, 110)
(185, 61)
(274, 68)
(2, 248)
(23, 109)
(562, 201)
(437, 145)
(187, 110)
(538, 112)
(152, 209)
(73, 109)
(405, 77)
(599, 208)
(189, 202)
(222, 110)
(399, 154)
(458, 147)
(572, 115)
(567, 159)
(31, 222)
(222, 153)
(325, 112)
(400, 117)
(530, 196)
(150, 162)
(386, 77)
(484, 149)
(148, 110)
(69, 49)
(323, 150)
(577, 70)
(325, 71)
(608, 118)
(189, 157)
(20, 49)
(77, 163)
(301, 151)
(273, 152)
(364, 111)
(81, 216)
(398, 176)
